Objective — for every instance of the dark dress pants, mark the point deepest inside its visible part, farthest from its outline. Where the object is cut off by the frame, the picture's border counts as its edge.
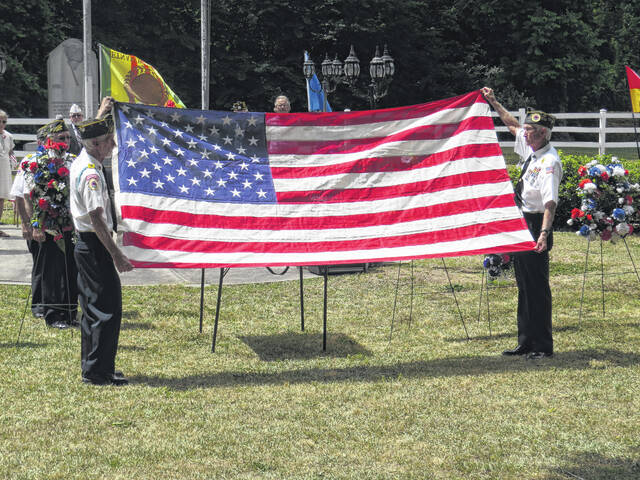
(58, 275)
(101, 301)
(534, 293)
(36, 279)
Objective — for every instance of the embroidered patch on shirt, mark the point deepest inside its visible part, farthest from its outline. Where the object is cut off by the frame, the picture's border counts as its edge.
(549, 170)
(92, 182)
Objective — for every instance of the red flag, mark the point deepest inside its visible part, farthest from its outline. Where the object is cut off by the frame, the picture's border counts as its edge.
(634, 89)
(212, 189)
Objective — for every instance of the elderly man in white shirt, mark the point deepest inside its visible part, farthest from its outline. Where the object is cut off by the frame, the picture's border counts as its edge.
(537, 197)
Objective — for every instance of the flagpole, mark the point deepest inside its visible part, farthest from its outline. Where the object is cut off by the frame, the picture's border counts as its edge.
(635, 131)
(205, 26)
(86, 50)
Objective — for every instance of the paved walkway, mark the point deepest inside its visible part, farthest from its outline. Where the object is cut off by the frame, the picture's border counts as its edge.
(15, 268)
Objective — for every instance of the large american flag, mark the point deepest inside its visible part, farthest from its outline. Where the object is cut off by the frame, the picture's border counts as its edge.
(200, 189)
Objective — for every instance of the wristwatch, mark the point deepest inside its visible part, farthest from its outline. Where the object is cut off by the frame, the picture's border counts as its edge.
(548, 230)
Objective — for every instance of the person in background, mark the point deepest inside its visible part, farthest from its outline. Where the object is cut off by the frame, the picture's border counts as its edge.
(7, 162)
(536, 194)
(18, 190)
(75, 117)
(46, 195)
(98, 257)
(239, 106)
(281, 104)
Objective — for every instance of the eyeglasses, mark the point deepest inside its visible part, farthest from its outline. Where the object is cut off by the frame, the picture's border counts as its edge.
(76, 115)
(3, 121)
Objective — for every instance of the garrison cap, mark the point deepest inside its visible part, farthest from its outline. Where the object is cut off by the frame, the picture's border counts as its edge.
(95, 127)
(538, 117)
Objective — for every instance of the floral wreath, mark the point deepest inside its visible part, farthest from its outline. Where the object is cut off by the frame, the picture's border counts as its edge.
(50, 188)
(609, 202)
(497, 265)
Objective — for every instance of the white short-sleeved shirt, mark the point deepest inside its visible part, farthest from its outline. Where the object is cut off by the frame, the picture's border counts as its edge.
(18, 187)
(88, 192)
(541, 181)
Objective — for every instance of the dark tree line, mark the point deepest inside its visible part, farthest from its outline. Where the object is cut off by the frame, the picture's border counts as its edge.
(558, 55)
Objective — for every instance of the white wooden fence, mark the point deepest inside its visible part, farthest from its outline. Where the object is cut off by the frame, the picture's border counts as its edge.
(599, 131)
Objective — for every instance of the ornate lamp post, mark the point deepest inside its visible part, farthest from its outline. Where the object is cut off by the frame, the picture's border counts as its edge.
(381, 70)
(3, 64)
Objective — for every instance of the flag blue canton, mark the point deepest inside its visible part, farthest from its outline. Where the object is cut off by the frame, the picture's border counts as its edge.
(193, 154)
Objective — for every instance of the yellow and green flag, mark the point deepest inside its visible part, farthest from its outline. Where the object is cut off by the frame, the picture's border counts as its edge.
(634, 89)
(127, 78)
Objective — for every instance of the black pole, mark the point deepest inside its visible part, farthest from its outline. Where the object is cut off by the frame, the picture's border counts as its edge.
(324, 315)
(602, 276)
(395, 302)
(635, 131)
(631, 257)
(453, 291)
(215, 323)
(201, 298)
(301, 300)
(584, 280)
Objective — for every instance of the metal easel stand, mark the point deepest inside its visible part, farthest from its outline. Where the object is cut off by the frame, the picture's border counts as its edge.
(395, 301)
(484, 285)
(68, 305)
(224, 271)
(584, 275)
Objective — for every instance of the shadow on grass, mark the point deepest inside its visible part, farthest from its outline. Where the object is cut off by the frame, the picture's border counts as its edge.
(294, 345)
(130, 314)
(22, 345)
(594, 465)
(514, 335)
(444, 367)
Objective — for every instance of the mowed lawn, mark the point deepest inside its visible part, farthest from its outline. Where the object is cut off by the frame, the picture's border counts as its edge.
(423, 403)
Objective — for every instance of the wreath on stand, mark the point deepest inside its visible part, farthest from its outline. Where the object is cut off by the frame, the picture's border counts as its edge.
(47, 175)
(609, 202)
(497, 265)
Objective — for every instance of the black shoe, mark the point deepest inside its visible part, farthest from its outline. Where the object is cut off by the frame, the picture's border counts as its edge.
(539, 355)
(519, 350)
(73, 324)
(59, 324)
(37, 313)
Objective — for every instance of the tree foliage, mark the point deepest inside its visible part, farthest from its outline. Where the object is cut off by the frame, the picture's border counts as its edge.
(558, 55)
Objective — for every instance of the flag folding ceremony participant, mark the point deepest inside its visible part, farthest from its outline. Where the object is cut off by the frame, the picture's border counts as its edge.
(97, 256)
(200, 189)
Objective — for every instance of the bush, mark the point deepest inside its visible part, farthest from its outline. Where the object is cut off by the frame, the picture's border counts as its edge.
(568, 192)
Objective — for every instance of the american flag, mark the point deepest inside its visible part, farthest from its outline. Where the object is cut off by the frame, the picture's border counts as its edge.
(199, 189)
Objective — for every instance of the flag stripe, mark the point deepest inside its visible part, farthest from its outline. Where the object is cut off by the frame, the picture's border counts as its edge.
(214, 246)
(367, 117)
(390, 164)
(500, 243)
(332, 193)
(208, 222)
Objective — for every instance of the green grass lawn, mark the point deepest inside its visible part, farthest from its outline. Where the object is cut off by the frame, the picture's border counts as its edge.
(270, 404)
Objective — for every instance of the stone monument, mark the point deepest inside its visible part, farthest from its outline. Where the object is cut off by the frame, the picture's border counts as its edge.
(65, 68)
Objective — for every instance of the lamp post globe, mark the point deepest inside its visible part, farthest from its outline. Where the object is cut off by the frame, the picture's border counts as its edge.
(352, 66)
(389, 67)
(376, 66)
(308, 68)
(327, 67)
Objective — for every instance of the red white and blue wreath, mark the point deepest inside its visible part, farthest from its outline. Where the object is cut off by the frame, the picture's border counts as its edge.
(609, 206)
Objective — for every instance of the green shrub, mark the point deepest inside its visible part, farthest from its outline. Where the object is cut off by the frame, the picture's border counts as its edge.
(568, 192)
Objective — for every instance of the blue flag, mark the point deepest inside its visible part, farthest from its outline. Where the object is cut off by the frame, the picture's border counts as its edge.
(315, 95)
